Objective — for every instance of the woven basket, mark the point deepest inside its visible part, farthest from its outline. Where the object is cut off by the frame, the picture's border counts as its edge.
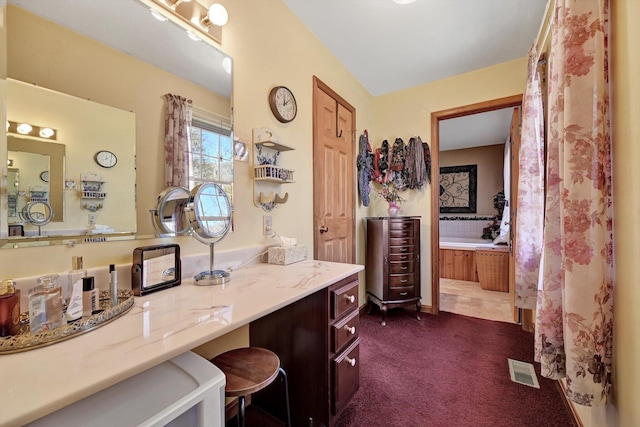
(493, 269)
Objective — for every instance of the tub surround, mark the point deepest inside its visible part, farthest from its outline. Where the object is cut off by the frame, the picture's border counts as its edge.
(159, 327)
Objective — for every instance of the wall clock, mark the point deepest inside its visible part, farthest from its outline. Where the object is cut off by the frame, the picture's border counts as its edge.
(283, 104)
(44, 176)
(105, 158)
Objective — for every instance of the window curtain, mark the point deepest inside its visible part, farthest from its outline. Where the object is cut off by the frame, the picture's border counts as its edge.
(503, 237)
(530, 218)
(177, 131)
(574, 317)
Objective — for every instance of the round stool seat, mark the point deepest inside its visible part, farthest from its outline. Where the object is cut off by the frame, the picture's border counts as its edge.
(248, 369)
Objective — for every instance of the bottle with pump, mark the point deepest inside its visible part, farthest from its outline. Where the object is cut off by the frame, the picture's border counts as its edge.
(113, 285)
(89, 296)
(75, 275)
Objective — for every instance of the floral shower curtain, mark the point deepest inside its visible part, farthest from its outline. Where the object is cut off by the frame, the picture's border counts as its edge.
(177, 130)
(529, 221)
(574, 318)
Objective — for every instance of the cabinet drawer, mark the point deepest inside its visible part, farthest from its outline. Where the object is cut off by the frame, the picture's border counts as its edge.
(401, 267)
(346, 376)
(396, 234)
(401, 225)
(401, 249)
(344, 331)
(405, 292)
(400, 280)
(401, 257)
(343, 299)
(401, 241)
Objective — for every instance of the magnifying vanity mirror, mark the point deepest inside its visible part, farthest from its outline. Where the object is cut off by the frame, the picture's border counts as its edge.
(38, 213)
(209, 215)
(125, 73)
(169, 218)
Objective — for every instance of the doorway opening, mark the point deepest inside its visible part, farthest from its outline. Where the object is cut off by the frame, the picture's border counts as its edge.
(469, 220)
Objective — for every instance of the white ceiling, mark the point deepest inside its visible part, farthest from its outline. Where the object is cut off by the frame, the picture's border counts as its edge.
(389, 47)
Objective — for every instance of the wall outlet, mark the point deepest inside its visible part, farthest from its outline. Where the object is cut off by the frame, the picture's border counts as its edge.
(92, 219)
(266, 224)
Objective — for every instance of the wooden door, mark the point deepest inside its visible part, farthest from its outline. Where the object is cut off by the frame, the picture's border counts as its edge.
(513, 205)
(334, 172)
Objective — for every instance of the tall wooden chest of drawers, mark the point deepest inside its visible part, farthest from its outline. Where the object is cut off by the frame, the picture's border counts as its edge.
(393, 263)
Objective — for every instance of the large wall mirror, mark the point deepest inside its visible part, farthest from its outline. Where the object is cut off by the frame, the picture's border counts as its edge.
(97, 71)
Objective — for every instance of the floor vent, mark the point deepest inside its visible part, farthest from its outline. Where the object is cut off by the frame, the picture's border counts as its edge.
(523, 373)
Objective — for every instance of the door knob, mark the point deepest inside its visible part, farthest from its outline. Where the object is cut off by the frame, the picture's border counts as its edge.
(324, 228)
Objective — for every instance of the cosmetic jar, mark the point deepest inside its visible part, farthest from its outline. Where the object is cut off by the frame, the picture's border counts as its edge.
(9, 308)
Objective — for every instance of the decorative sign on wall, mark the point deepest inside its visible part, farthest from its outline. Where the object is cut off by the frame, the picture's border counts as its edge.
(458, 189)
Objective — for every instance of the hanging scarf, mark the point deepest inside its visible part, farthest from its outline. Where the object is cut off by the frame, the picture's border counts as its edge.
(427, 161)
(414, 164)
(365, 161)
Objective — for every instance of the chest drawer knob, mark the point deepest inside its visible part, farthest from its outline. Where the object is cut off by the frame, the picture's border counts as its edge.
(350, 298)
(351, 361)
(350, 329)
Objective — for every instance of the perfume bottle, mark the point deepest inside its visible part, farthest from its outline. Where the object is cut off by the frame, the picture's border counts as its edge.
(45, 304)
(9, 308)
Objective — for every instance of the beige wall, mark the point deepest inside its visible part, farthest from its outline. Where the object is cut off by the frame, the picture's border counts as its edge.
(490, 162)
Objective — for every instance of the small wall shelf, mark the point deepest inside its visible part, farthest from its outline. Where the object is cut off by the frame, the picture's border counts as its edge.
(267, 169)
(91, 187)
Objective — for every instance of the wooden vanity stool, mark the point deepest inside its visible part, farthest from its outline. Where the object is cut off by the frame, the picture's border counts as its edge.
(249, 370)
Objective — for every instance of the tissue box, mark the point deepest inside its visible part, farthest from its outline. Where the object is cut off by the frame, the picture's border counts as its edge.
(286, 255)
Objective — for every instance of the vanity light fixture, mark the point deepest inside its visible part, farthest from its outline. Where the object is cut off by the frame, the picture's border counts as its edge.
(193, 16)
(31, 130)
(9, 162)
(403, 2)
(216, 15)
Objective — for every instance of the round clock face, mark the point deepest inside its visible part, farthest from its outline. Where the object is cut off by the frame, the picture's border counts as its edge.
(106, 159)
(44, 176)
(283, 104)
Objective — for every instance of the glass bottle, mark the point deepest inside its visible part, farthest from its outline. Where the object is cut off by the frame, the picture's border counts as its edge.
(9, 308)
(45, 304)
(75, 275)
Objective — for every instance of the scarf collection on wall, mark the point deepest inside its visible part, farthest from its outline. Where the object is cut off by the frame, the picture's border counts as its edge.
(404, 167)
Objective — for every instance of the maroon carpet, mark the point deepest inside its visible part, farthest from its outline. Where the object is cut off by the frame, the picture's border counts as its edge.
(448, 370)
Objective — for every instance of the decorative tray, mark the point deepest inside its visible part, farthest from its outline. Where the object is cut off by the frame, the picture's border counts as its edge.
(28, 341)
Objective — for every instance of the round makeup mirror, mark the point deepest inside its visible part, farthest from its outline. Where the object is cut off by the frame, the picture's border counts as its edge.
(38, 213)
(169, 217)
(209, 214)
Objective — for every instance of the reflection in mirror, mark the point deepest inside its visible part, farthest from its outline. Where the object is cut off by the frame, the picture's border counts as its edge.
(129, 69)
(169, 217)
(209, 212)
(155, 268)
(37, 213)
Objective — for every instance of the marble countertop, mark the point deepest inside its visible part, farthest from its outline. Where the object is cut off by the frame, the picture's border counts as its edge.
(159, 327)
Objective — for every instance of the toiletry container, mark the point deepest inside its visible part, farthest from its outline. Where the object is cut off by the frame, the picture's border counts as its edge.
(89, 296)
(76, 274)
(187, 390)
(9, 308)
(45, 304)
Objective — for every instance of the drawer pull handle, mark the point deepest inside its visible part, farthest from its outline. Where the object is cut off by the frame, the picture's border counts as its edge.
(351, 361)
(404, 249)
(404, 281)
(403, 268)
(350, 298)
(403, 258)
(350, 329)
(403, 293)
(405, 241)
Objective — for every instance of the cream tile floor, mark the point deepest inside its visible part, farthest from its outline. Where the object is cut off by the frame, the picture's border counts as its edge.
(469, 299)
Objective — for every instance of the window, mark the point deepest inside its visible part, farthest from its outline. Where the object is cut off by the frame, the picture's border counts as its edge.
(211, 155)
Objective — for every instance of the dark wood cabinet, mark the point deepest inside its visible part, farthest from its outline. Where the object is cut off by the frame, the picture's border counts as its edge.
(393, 263)
(317, 341)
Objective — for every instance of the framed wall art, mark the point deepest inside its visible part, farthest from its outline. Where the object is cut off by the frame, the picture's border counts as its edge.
(458, 189)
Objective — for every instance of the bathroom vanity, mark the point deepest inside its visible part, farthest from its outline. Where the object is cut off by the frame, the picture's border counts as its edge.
(165, 324)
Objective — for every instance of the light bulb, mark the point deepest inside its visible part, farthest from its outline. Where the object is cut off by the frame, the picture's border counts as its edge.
(158, 15)
(46, 132)
(218, 14)
(226, 64)
(24, 128)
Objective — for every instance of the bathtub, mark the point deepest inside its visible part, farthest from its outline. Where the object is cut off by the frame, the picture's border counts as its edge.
(468, 243)
(458, 257)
